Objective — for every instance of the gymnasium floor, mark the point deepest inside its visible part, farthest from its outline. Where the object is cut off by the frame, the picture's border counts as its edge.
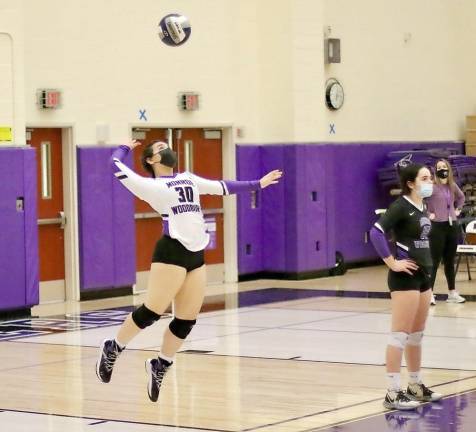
(278, 356)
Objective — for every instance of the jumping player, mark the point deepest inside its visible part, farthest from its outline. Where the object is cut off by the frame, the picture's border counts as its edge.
(178, 269)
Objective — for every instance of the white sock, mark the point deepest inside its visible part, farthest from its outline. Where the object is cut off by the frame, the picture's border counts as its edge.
(120, 344)
(164, 357)
(393, 380)
(414, 377)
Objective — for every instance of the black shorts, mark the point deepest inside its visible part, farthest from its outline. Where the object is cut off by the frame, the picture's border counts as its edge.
(170, 251)
(401, 281)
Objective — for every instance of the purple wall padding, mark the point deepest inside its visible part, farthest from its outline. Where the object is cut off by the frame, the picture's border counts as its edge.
(19, 234)
(106, 223)
(307, 233)
(293, 223)
(359, 193)
(32, 264)
(274, 211)
(124, 234)
(299, 234)
(250, 245)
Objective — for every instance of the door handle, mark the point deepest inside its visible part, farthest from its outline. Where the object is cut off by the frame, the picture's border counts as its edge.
(149, 215)
(154, 215)
(61, 220)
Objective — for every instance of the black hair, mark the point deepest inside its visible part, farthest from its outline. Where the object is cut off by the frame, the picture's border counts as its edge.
(147, 153)
(408, 173)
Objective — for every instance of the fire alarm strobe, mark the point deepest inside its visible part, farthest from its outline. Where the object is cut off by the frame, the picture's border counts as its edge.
(49, 98)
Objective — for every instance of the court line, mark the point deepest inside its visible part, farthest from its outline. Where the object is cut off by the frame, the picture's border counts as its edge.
(322, 310)
(146, 349)
(255, 329)
(325, 361)
(259, 329)
(288, 327)
(79, 358)
(249, 429)
(19, 338)
(103, 420)
(149, 349)
(347, 315)
(350, 406)
(98, 422)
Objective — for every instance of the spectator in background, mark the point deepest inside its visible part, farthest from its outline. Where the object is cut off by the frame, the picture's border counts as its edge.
(445, 206)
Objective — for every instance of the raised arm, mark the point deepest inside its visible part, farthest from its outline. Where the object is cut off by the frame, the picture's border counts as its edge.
(228, 187)
(142, 187)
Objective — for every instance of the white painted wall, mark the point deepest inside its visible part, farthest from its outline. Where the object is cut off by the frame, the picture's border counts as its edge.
(257, 64)
(407, 68)
(6, 81)
(12, 113)
(110, 64)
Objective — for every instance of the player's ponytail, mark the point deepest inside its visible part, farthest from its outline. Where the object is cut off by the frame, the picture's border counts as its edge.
(148, 152)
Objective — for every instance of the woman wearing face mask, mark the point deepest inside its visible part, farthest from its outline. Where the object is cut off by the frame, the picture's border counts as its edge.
(178, 269)
(409, 283)
(445, 206)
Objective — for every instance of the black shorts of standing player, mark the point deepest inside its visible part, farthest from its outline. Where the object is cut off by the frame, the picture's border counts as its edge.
(171, 251)
(418, 281)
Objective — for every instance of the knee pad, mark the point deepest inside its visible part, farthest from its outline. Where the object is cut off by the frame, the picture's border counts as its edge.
(181, 328)
(398, 339)
(143, 317)
(415, 338)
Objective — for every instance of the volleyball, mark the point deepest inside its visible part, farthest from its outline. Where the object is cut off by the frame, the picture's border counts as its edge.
(174, 29)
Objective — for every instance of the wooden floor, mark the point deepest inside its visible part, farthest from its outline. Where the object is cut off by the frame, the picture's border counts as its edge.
(281, 365)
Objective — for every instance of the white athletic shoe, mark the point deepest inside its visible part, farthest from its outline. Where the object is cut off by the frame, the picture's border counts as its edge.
(399, 400)
(420, 392)
(433, 300)
(454, 297)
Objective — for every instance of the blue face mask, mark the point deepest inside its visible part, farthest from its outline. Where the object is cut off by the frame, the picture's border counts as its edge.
(426, 190)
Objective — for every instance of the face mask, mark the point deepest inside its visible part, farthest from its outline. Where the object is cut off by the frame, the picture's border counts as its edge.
(442, 173)
(168, 158)
(426, 190)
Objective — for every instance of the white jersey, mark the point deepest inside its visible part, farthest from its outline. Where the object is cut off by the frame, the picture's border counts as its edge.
(177, 200)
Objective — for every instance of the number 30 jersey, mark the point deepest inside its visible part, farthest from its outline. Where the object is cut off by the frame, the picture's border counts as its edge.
(177, 198)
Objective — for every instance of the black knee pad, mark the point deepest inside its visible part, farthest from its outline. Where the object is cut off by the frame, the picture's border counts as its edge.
(144, 317)
(181, 328)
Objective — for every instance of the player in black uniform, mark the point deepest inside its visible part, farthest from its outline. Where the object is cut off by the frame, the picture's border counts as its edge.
(409, 280)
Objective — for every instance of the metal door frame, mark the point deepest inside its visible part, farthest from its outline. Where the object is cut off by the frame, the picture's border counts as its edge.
(70, 208)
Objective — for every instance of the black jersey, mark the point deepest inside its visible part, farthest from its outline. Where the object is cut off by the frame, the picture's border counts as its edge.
(411, 227)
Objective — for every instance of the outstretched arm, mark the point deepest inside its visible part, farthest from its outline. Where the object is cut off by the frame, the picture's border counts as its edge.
(228, 187)
(142, 187)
